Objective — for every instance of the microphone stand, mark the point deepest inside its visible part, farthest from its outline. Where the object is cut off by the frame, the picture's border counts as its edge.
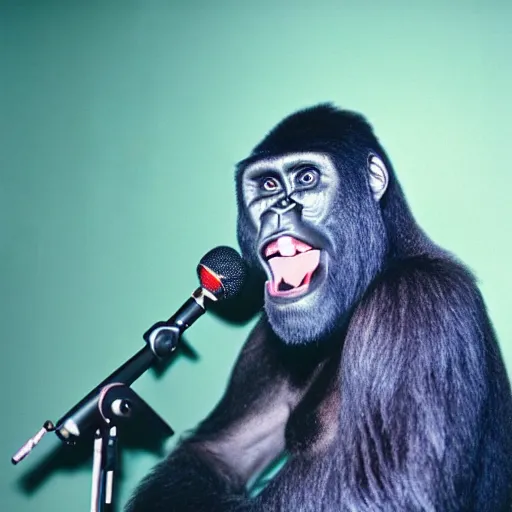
(103, 411)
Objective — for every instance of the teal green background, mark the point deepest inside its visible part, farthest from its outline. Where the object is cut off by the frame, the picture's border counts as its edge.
(120, 126)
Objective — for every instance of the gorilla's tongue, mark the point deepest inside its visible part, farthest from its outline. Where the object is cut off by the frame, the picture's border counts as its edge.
(293, 268)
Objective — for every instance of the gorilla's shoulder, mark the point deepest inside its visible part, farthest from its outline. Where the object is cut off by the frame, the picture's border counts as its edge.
(426, 276)
(427, 302)
(423, 293)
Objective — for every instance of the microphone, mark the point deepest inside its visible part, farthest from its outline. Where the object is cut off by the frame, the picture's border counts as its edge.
(221, 273)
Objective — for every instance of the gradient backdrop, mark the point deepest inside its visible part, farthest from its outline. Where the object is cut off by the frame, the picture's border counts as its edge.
(120, 126)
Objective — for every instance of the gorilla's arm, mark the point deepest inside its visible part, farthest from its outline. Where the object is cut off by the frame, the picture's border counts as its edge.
(422, 385)
(245, 432)
(412, 369)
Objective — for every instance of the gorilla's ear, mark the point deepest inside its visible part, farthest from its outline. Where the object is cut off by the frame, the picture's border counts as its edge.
(378, 175)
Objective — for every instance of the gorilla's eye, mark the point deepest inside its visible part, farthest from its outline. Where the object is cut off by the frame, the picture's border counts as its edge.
(307, 177)
(270, 184)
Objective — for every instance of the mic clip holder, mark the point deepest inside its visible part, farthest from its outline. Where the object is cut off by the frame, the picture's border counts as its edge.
(163, 338)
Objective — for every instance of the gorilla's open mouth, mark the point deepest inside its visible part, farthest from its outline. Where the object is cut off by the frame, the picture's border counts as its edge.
(292, 265)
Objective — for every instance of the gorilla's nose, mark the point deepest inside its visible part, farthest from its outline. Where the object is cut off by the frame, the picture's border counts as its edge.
(284, 215)
(285, 205)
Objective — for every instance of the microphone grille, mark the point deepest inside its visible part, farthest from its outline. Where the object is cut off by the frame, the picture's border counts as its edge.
(222, 272)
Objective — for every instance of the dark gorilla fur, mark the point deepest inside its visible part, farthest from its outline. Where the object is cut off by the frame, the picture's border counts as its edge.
(405, 404)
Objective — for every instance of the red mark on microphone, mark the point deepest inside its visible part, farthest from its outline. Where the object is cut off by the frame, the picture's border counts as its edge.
(209, 280)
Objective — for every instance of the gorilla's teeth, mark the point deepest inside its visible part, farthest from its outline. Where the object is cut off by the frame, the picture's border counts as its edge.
(286, 246)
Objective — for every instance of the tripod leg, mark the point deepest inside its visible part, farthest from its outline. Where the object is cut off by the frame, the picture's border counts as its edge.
(110, 466)
(97, 474)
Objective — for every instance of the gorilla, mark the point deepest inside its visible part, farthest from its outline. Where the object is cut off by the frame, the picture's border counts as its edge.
(374, 368)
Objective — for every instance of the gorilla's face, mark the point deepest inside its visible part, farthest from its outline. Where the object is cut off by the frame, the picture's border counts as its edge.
(309, 230)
